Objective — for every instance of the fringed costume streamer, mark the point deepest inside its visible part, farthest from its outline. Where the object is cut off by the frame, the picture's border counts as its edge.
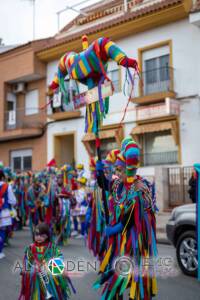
(59, 286)
(89, 67)
(132, 206)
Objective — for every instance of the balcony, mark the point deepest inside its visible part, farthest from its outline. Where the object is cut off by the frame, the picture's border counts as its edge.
(168, 108)
(23, 123)
(162, 158)
(62, 111)
(155, 85)
(65, 114)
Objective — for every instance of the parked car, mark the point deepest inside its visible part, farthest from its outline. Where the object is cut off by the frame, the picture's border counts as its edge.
(181, 232)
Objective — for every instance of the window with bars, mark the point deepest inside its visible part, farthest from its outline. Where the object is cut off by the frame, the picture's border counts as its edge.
(157, 69)
(159, 148)
(156, 74)
(21, 160)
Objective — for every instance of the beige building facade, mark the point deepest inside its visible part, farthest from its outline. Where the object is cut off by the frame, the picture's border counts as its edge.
(23, 143)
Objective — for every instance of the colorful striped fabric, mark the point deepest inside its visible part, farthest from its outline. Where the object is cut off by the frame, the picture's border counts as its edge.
(86, 64)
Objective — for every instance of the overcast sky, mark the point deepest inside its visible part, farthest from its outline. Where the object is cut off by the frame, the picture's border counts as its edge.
(16, 18)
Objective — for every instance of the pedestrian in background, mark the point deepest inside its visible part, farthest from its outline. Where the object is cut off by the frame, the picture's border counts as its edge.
(193, 186)
(7, 199)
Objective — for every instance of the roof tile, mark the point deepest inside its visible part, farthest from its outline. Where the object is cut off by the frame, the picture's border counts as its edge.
(145, 9)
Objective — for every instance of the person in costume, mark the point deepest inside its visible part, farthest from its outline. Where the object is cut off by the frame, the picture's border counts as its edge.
(19, 190)
(7, 199)
(63, 223)
(91, 182)
(74, 187)
(131, 232)
(50, 214)
(37, 200)
(37, 280)
(95, 216)
(82, 204)
(81, 171)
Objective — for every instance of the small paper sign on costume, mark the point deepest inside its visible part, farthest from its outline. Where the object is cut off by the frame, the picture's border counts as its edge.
(92, 95)
(57, 100)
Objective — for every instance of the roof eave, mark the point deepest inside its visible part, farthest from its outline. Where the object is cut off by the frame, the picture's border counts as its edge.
(122, 29)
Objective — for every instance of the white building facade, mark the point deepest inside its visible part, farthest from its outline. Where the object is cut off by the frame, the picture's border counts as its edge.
(164, 112)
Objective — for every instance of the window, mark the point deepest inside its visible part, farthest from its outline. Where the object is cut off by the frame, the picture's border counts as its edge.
(159, 148)
(27, 161)
(114, 75)
(156, 70)
(106, 146)
(157, 75)
(32, 102)
(17, 163)
(21, 160)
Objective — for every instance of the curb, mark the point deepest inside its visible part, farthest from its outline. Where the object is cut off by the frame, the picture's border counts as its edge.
(163, 241)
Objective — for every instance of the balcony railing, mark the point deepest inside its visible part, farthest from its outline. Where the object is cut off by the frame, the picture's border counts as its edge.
(157, 81)
(24, 118)
(162, 158)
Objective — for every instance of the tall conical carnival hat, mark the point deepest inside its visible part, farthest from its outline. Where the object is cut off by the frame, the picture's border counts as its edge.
(92, 164)
(131, 154)
(125, 141)
(112, 156)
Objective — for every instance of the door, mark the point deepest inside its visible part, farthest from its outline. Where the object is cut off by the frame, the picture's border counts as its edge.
(64, 149)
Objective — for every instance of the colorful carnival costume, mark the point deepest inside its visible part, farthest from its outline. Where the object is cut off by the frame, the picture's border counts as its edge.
(95, 215)
(19, 190)
(81, 204)
(7, 199)
(63, 222)
(90, 63)
(37, 199)
(38, 283)
(89, 67)
(131, 233)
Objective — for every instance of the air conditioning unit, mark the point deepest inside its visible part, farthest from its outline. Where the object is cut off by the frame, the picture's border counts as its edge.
(19, 88)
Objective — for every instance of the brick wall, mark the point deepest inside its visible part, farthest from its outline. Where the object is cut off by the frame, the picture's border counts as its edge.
(38, 146)
(18, 64)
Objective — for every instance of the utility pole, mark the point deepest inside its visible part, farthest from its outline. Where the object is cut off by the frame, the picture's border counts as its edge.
(125, 6)
(33, 18)
(33, 6)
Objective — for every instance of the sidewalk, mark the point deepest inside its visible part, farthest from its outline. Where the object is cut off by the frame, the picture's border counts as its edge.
(161, 221)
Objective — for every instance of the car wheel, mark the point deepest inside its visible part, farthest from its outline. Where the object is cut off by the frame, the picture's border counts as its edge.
(186, 252)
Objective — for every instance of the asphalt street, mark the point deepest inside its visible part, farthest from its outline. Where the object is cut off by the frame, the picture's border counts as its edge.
(172, 284)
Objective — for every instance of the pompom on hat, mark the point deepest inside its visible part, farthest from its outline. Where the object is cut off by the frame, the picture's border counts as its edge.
(80, 166)
(66, 168)
(82, 180)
